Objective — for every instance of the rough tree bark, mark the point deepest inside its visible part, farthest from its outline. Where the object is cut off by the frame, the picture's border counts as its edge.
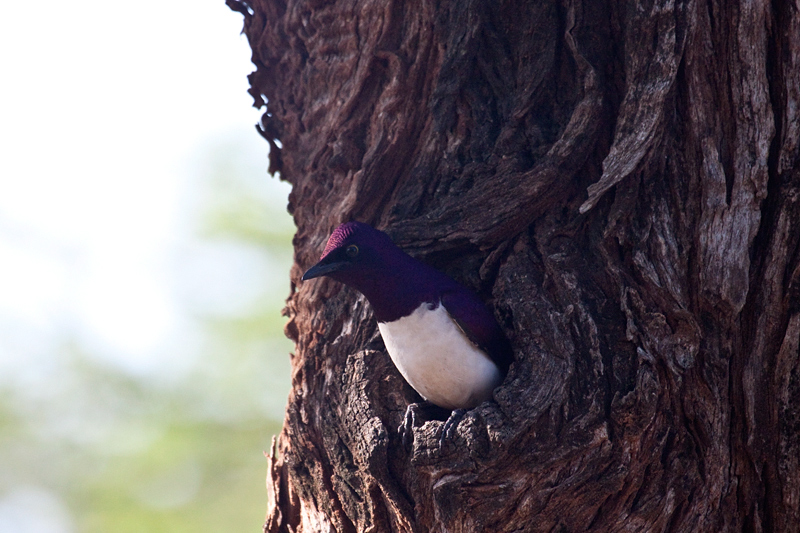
(619, 181)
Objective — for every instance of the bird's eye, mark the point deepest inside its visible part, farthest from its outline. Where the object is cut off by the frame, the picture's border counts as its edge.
(351, 250)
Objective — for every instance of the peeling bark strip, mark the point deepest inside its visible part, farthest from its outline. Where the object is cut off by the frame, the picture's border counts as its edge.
(619, 181)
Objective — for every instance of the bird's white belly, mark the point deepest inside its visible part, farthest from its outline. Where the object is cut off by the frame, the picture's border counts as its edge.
(438, 360)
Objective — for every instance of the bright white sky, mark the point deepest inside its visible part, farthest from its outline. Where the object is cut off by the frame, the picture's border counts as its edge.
(102, 107)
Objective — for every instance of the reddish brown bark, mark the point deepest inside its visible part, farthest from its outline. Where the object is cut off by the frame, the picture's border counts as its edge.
(620, 182)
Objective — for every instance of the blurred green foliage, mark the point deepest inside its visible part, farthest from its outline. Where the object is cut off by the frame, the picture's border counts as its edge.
(184, 452)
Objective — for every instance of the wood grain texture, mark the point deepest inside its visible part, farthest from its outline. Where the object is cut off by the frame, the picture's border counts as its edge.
(619, 181)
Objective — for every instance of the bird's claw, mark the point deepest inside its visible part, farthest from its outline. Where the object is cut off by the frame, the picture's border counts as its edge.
(450, 425)
(413, 414)
(406, 429)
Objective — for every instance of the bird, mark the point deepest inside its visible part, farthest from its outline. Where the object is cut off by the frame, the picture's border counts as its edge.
(440, 335)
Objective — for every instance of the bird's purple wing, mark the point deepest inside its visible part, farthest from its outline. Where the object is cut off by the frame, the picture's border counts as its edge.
(479, 325)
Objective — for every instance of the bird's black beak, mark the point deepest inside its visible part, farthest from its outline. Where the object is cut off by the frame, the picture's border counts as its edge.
(323, 269)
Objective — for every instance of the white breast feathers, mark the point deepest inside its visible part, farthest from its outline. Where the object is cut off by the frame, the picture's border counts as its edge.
(438, 360)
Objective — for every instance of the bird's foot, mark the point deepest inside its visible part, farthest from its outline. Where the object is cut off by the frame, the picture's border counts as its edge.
(406, 429)
(416, 414)
(450, 425)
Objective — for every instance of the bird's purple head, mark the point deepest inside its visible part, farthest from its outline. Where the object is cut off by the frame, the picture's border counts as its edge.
(354, 252)
(341, 234)
(366, 259)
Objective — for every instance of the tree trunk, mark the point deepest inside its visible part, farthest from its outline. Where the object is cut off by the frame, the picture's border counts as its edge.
(619, 182)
